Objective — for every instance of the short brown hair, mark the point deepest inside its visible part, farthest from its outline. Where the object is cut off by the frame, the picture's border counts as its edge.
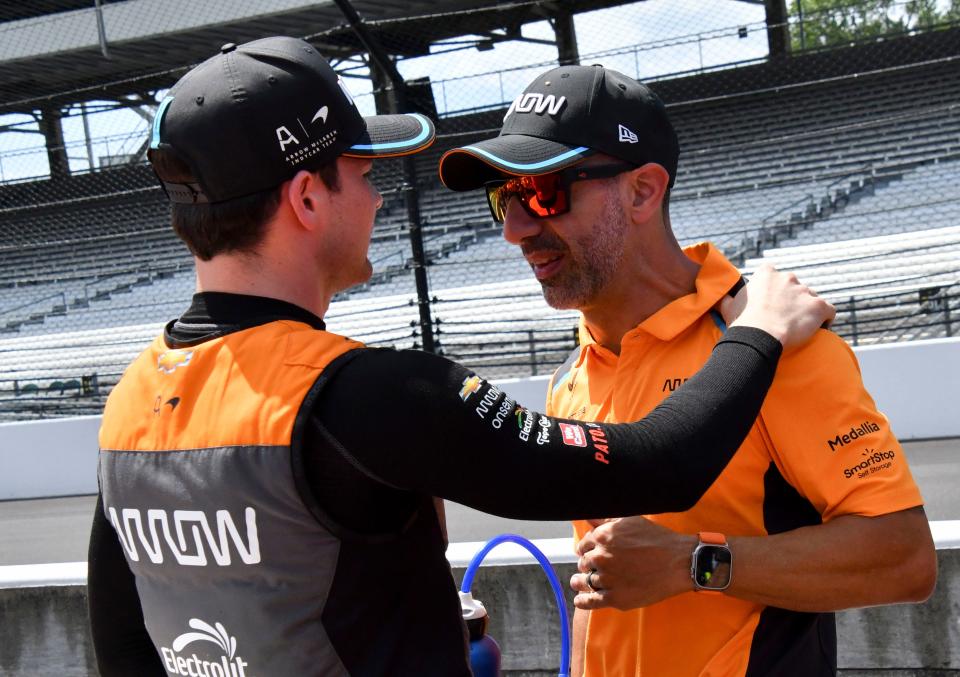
(235, 225)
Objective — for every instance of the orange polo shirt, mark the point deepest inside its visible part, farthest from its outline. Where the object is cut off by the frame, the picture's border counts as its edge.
(819, 449)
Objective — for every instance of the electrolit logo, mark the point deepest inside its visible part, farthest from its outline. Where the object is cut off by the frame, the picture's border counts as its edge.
(178, 662)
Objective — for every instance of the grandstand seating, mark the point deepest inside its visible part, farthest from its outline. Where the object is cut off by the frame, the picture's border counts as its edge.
(857, 188)
(923, 197)
(916, 272)
(750, 176)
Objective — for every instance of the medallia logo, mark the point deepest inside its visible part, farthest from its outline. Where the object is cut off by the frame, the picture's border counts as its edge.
(179, 663)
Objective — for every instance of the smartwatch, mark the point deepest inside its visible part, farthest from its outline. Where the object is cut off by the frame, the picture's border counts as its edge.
(711, 566)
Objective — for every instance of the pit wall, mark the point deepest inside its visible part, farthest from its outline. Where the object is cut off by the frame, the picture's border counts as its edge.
(45, 630)
(913, 383)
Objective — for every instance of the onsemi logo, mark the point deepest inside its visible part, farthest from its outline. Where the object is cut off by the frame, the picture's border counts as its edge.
(172, 360)
(533, 102)
(158, 534)
(228, 665)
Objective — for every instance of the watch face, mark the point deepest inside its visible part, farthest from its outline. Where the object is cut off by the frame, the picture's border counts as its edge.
(712, 567)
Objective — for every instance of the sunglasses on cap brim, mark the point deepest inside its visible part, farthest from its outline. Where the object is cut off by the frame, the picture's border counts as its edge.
(545, 195)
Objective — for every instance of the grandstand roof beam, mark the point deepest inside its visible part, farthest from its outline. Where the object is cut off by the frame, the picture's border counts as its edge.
(380, 60)
(566, 33)
(145, 108)
(778, 27)
(52, 129)
(65, 66)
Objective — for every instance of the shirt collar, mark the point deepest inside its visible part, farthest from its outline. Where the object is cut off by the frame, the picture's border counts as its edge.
(213, 314)
(715, 278)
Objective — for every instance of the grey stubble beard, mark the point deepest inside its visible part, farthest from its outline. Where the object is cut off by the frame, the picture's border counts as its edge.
(594, 259)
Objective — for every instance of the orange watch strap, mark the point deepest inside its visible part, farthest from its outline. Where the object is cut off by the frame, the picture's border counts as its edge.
(713, 538)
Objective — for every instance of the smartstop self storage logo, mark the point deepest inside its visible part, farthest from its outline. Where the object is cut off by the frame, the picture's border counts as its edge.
(180, 660)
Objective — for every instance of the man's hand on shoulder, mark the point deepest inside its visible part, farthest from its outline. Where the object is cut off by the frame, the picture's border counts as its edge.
(635, 563)
(778, 304)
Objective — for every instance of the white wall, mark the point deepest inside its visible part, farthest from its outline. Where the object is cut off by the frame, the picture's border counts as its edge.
(915, 384)
(49, 458)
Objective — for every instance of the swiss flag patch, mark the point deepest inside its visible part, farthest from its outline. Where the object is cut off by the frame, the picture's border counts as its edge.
(573, 435)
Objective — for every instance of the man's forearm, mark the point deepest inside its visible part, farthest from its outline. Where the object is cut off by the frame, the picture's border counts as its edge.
(850, 561)
(579, 639)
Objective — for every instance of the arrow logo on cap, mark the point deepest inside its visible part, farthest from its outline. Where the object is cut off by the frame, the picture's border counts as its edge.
(322, 114)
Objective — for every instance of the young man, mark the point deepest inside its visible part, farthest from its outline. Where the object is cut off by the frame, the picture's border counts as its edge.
(266, 486)
(816, 512)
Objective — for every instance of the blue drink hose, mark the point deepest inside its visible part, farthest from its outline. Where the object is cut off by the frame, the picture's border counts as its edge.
(551, 576)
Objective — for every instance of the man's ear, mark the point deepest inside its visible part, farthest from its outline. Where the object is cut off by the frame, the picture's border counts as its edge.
(307, 198)
(647, 186)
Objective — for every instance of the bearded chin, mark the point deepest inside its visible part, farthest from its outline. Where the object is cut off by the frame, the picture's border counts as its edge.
(559, 298)
(565, 296)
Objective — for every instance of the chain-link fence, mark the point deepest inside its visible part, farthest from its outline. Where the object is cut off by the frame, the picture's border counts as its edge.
(824, 136)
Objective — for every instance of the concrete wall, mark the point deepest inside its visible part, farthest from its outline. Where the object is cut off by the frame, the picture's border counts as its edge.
(44, 631)
(49, 458)
(913, 383)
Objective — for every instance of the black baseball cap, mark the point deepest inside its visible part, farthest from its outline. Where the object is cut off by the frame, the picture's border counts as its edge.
(250, 117)
(562, 117)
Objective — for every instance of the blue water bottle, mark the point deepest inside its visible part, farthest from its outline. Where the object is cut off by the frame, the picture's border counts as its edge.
(484, 651)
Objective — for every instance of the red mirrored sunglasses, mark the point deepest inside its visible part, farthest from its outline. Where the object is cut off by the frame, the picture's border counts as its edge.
(547, 194)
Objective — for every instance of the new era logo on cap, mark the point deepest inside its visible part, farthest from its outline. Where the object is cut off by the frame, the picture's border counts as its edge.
(626, 136)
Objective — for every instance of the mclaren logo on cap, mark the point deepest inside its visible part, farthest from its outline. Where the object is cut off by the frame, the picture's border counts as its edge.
(321, 114)
(626, 136)
(532, 102)
(286, 137)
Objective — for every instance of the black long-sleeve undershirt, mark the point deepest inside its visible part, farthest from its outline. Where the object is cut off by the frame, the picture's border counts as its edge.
(406, 424)
(401, 417)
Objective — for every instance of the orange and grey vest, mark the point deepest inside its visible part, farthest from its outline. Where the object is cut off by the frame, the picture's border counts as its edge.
(199, 447)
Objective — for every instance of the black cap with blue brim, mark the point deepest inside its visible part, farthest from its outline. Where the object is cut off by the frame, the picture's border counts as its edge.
(564, 116)
(252, 116)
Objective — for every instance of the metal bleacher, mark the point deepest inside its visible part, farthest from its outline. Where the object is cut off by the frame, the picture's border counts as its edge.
(919, 198)
(751, 177)
(858, 189)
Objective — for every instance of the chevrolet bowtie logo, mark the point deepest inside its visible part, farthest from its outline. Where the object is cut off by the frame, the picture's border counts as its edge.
(172, 360)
